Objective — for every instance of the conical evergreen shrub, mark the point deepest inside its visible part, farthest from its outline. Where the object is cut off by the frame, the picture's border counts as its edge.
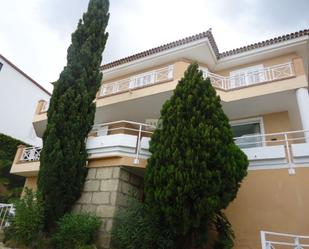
(71, 115)
(195, 168)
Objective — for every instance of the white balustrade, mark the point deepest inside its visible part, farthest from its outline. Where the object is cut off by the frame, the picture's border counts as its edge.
(271, 240)
(6, 210)
(137, 81)
(267, 74)
(31, 154)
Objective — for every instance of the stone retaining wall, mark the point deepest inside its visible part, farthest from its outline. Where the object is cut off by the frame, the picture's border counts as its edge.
(107, 189)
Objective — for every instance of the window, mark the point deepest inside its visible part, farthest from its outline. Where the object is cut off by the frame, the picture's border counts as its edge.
(248, 133)
(1, 64)
(247, 76)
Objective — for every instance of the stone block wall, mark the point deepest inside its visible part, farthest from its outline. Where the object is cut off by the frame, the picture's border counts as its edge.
(105, 191)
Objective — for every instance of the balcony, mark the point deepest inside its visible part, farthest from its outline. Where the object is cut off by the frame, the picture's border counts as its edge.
(267, 74)
(27, 161)
(137, 81)
(165, 74)
(129, 141)
(276, 150)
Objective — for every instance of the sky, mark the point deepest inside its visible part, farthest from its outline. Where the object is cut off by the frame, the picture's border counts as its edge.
(35, 34)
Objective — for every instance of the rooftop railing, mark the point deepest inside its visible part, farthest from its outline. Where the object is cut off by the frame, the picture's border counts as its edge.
(271, 240)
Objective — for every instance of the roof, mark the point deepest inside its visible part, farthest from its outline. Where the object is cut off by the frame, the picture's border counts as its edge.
(24, 74)
(272, 41)
(207, 34)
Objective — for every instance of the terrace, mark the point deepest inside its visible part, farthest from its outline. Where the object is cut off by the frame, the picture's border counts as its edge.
(127, 139)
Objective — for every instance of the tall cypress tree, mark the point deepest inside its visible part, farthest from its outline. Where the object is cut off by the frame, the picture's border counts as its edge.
(71, 115)
(195, 168)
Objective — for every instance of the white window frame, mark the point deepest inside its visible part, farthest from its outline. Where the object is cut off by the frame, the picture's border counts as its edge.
(252, 121)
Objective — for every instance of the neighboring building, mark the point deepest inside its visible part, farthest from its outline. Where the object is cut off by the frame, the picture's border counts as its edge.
(264, 92)
(19, 95)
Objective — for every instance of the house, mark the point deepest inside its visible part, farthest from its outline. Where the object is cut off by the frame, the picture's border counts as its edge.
(19, 95)
(264, 92)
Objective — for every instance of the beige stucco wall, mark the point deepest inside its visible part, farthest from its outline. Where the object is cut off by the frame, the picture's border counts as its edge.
(22, 168)
(31, 183)
(115, 161)
(273, 122)
(263, 89)
(270, 200)
(276, 122)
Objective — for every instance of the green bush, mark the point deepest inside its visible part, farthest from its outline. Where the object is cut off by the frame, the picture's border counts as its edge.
(136, 228)
(76, 231)
(27, 224)
(10, 185)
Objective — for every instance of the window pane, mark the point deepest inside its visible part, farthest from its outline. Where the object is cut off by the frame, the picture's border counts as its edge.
(245, 135)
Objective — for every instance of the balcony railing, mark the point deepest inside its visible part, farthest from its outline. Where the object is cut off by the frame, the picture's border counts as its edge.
(31, 154)
(268, 74)
(284, 150)
(276, 72)
(125, 137)
(290, 148)
(271, 240)
(6, 210)
(131, 137)
(137, 81)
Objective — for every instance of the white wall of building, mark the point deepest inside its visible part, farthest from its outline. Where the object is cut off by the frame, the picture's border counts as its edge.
(19, 97)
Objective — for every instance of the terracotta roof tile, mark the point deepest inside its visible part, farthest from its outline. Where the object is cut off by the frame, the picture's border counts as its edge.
(266, 43)
(213, 44)
(167, 46)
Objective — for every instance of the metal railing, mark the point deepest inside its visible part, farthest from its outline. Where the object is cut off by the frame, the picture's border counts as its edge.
(137, 81)
(140, 130)
(271, 139)
(267, 74)
(6, 210)
(31, 154)
(271, 240)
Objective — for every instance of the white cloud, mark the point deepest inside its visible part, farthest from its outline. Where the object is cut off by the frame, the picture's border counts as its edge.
(35, 34)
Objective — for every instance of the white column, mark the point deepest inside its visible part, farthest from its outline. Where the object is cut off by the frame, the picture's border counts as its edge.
(303, 106)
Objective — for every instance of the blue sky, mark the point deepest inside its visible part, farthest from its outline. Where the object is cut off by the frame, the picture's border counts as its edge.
(35, 34)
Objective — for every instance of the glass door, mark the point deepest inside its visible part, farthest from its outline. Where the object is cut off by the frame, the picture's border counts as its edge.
(248, 135)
